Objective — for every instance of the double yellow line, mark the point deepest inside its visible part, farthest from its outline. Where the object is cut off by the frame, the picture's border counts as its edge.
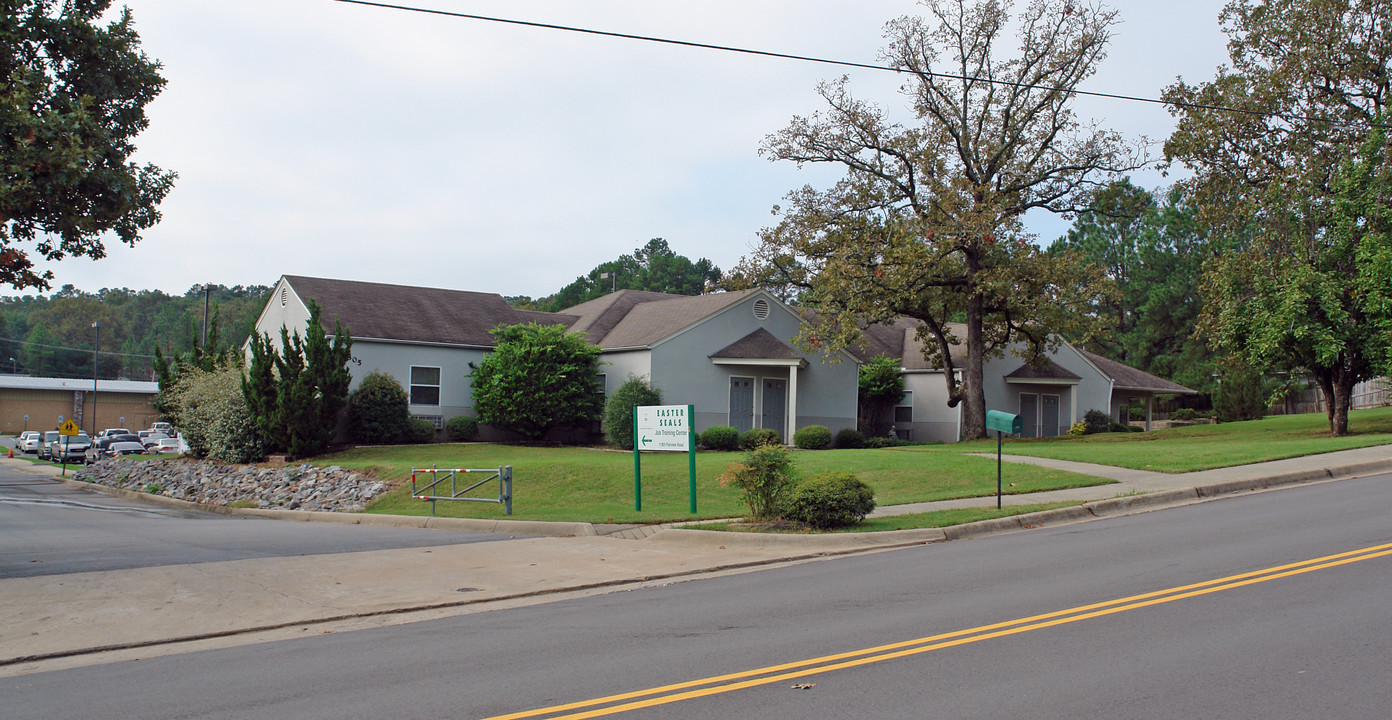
(638, 699)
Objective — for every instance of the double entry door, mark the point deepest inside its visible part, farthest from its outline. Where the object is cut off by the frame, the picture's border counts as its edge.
(1039, 415)
(773, 408)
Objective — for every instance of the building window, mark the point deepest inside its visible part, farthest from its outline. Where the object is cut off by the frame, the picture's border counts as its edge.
(437, 420)
(425, 385)
(903, 412)
(601, 383)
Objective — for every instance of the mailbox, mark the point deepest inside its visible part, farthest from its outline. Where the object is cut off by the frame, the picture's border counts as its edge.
(1004, 422)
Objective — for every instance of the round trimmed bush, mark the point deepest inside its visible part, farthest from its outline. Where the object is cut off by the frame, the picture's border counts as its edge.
(813, 437)
(461, 428)
(720, 437)
(760, 436)
(378, 411)
(829, 500)
(850, 439)
(618, 410)
(422, 431)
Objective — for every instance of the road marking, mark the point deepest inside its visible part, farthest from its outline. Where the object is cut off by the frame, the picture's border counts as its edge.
(719, 684)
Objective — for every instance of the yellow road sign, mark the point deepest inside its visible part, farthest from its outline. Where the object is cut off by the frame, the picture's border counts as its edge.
(68, 428)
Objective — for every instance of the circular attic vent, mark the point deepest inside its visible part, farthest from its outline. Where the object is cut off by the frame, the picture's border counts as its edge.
(761, 309)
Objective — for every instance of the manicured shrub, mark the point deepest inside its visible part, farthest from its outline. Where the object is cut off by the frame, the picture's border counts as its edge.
(461, 428)
(1118, 427)
(850, 439)
(829, 500)
(1134, 428)
(1078, 429)
(720, 437)
(422, 431)
(813, 437)
(1184, 414)
(763, 478)
(1097, 421)
(760, 436)
(618, 409)
(379, 411)
(212, 413)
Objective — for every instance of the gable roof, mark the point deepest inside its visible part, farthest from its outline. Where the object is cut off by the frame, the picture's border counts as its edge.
(760, 344)
(1049, 371)
(406, 313)
(642, 319)
(1125, 377)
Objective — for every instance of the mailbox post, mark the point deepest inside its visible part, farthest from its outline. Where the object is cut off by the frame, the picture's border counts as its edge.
(1002, 423)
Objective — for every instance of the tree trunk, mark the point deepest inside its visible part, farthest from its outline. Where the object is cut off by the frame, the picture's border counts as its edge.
(1337, 388)
(973, 375)
(1343, 400)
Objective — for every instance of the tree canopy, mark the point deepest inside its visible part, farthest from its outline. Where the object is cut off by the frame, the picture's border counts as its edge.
(655, 267)
(1153, 250)
(1296, 177)
(926, 222)
(72, 103)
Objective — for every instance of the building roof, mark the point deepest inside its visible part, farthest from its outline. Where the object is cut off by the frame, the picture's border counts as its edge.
(25, 382)
(1050, 370)
(643, 319)
(1125, 377)
(760, 344)
(407, 313)
(899, 339)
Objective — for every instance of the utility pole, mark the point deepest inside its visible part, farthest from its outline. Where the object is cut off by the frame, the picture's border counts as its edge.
(207, 291)
(96, 354)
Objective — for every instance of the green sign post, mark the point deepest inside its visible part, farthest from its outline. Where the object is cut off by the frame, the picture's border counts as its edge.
(664, 428)
(1002, 423)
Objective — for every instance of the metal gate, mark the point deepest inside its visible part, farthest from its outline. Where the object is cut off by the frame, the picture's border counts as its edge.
(435, 490)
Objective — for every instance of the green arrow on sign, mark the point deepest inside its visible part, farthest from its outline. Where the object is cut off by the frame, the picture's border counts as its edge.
(647, 440)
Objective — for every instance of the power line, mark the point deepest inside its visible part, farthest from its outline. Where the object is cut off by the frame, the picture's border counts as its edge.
(108, 353)
(846, 63)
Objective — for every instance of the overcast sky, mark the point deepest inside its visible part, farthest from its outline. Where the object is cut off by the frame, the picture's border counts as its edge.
(320, 138)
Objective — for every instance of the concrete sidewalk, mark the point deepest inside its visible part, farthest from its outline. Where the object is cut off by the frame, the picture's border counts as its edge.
(84, 618)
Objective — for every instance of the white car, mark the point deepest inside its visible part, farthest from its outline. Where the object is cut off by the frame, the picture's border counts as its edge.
(29, 441)
(166, 446)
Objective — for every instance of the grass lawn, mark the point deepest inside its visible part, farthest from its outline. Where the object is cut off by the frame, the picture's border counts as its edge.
(591, 485)
(1201, 447)
(914, 521)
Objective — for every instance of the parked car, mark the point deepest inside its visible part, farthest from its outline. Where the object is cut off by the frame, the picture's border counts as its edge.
(152, 439)
(165, 428)
(166, 446)
(70, 448)
(29, 441)
(102, 447)
(48, 437)
(124, 447)
(113, 431)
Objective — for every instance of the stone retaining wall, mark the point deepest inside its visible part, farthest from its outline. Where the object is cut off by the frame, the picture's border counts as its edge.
(291, 487)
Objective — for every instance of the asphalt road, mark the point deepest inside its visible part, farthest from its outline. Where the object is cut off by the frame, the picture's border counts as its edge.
(1217, 614)
(48, 528)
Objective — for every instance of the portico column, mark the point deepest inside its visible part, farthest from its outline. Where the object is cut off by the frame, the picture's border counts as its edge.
(792, 405)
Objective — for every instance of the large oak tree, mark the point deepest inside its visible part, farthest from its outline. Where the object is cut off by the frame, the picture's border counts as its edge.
(926, 222)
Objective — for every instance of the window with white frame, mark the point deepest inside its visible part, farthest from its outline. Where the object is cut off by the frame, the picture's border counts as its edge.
(425, 385)
(903, 412)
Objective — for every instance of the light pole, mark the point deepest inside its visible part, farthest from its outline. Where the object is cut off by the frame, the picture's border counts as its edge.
(96, 352)
(14, 367)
